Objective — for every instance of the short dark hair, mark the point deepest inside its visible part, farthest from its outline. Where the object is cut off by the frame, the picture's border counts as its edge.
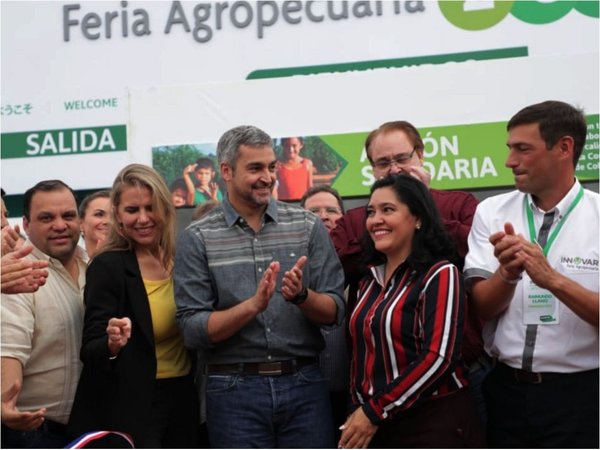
(555, 119)
(431, 243)
(205, 163)
(178, 183)
(43, 186)
(397, 125)
(105, 193)
(322, 188)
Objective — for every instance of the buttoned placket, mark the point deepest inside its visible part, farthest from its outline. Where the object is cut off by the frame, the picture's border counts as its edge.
(531, 330)
(261, 263)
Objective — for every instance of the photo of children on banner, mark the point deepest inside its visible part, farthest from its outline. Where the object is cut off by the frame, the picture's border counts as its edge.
(294, 172)
(179, 193)
(206, 187)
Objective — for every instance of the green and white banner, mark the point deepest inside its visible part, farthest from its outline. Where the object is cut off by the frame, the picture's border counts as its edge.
(461, 111)
(68, 68)
(470, 156)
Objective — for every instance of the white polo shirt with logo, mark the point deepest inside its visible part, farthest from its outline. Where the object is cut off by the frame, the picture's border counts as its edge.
(571, 345)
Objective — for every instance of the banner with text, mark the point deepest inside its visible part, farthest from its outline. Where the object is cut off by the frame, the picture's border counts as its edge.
(67, 66)
(465, 139)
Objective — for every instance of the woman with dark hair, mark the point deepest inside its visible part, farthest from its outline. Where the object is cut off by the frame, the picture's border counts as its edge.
(137, 375)
(407, 377)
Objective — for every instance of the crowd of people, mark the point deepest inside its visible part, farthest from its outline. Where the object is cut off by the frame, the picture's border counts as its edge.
(423, 319)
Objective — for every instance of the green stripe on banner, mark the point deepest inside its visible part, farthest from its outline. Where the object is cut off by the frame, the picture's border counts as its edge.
(460, 156)
(511, 52)
(69, 141)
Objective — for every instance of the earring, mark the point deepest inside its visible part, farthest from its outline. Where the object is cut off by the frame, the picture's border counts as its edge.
(418, 226)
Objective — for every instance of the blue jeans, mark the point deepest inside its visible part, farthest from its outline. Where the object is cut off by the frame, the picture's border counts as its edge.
(253, 411)
(43, 437)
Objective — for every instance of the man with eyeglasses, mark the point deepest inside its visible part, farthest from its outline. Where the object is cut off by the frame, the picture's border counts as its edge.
(325, 202)
(393, 148)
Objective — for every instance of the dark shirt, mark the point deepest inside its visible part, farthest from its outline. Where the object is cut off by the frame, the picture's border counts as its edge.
(456, 208)
(406, 339)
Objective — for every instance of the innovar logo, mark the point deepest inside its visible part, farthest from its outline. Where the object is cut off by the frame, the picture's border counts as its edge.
(579, 263)
(481, 15)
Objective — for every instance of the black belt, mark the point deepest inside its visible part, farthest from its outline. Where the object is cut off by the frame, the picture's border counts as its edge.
(524, 376)
(267, 369)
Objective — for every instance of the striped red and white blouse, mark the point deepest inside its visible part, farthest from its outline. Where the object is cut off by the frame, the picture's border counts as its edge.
(406, 339)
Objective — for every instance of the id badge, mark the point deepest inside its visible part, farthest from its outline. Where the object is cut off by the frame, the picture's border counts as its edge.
(540, 306)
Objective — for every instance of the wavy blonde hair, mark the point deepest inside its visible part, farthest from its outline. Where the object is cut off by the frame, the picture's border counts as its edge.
(139, 175)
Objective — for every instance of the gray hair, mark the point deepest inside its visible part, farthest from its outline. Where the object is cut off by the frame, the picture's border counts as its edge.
(228, 148)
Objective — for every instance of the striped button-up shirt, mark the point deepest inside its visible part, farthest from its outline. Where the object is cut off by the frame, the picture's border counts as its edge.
(406, 339)
(220, 262)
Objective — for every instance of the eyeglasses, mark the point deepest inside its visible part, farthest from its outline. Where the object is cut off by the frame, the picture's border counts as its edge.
(329, 211)
(400, 160)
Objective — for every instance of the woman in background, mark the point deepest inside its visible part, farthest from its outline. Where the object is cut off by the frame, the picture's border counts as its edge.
(137, 376)
(94, 220)
(407, 379)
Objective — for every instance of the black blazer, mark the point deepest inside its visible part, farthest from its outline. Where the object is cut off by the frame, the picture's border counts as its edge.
(117, 394)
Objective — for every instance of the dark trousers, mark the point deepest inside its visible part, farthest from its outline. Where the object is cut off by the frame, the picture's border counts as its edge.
(49, 435)
(450, 421)
(340, 402)
(175, 416)
(560, 412)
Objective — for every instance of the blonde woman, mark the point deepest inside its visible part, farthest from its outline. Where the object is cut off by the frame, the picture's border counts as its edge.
(137, 374)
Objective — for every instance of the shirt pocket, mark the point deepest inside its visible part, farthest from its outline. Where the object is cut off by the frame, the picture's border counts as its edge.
(287, 258)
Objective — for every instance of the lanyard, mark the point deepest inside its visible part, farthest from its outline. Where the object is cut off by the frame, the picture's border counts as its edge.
(552, 237)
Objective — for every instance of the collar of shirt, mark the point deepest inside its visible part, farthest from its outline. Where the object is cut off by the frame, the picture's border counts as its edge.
(378, 272)
(232, 216)
(562, 206)
(80, 254)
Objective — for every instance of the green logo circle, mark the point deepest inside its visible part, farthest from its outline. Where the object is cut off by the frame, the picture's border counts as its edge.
(590, 9)
(474, 15)
(538, 13)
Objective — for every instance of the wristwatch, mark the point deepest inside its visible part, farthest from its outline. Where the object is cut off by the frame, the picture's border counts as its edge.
(301, 297)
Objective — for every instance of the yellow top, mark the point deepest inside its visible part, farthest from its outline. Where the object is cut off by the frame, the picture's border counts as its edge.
(172, 358)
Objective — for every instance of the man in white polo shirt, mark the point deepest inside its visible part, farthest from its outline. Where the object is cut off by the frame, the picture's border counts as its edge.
(532, 268)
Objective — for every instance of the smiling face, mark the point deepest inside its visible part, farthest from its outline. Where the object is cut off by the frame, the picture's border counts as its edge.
(292, 147)
(390, 224)
(251, 182)
(179, 197)
(391, 152)
(326, 206)
(204, 175)
(136, 217)
(94, 223)
(53, 224)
